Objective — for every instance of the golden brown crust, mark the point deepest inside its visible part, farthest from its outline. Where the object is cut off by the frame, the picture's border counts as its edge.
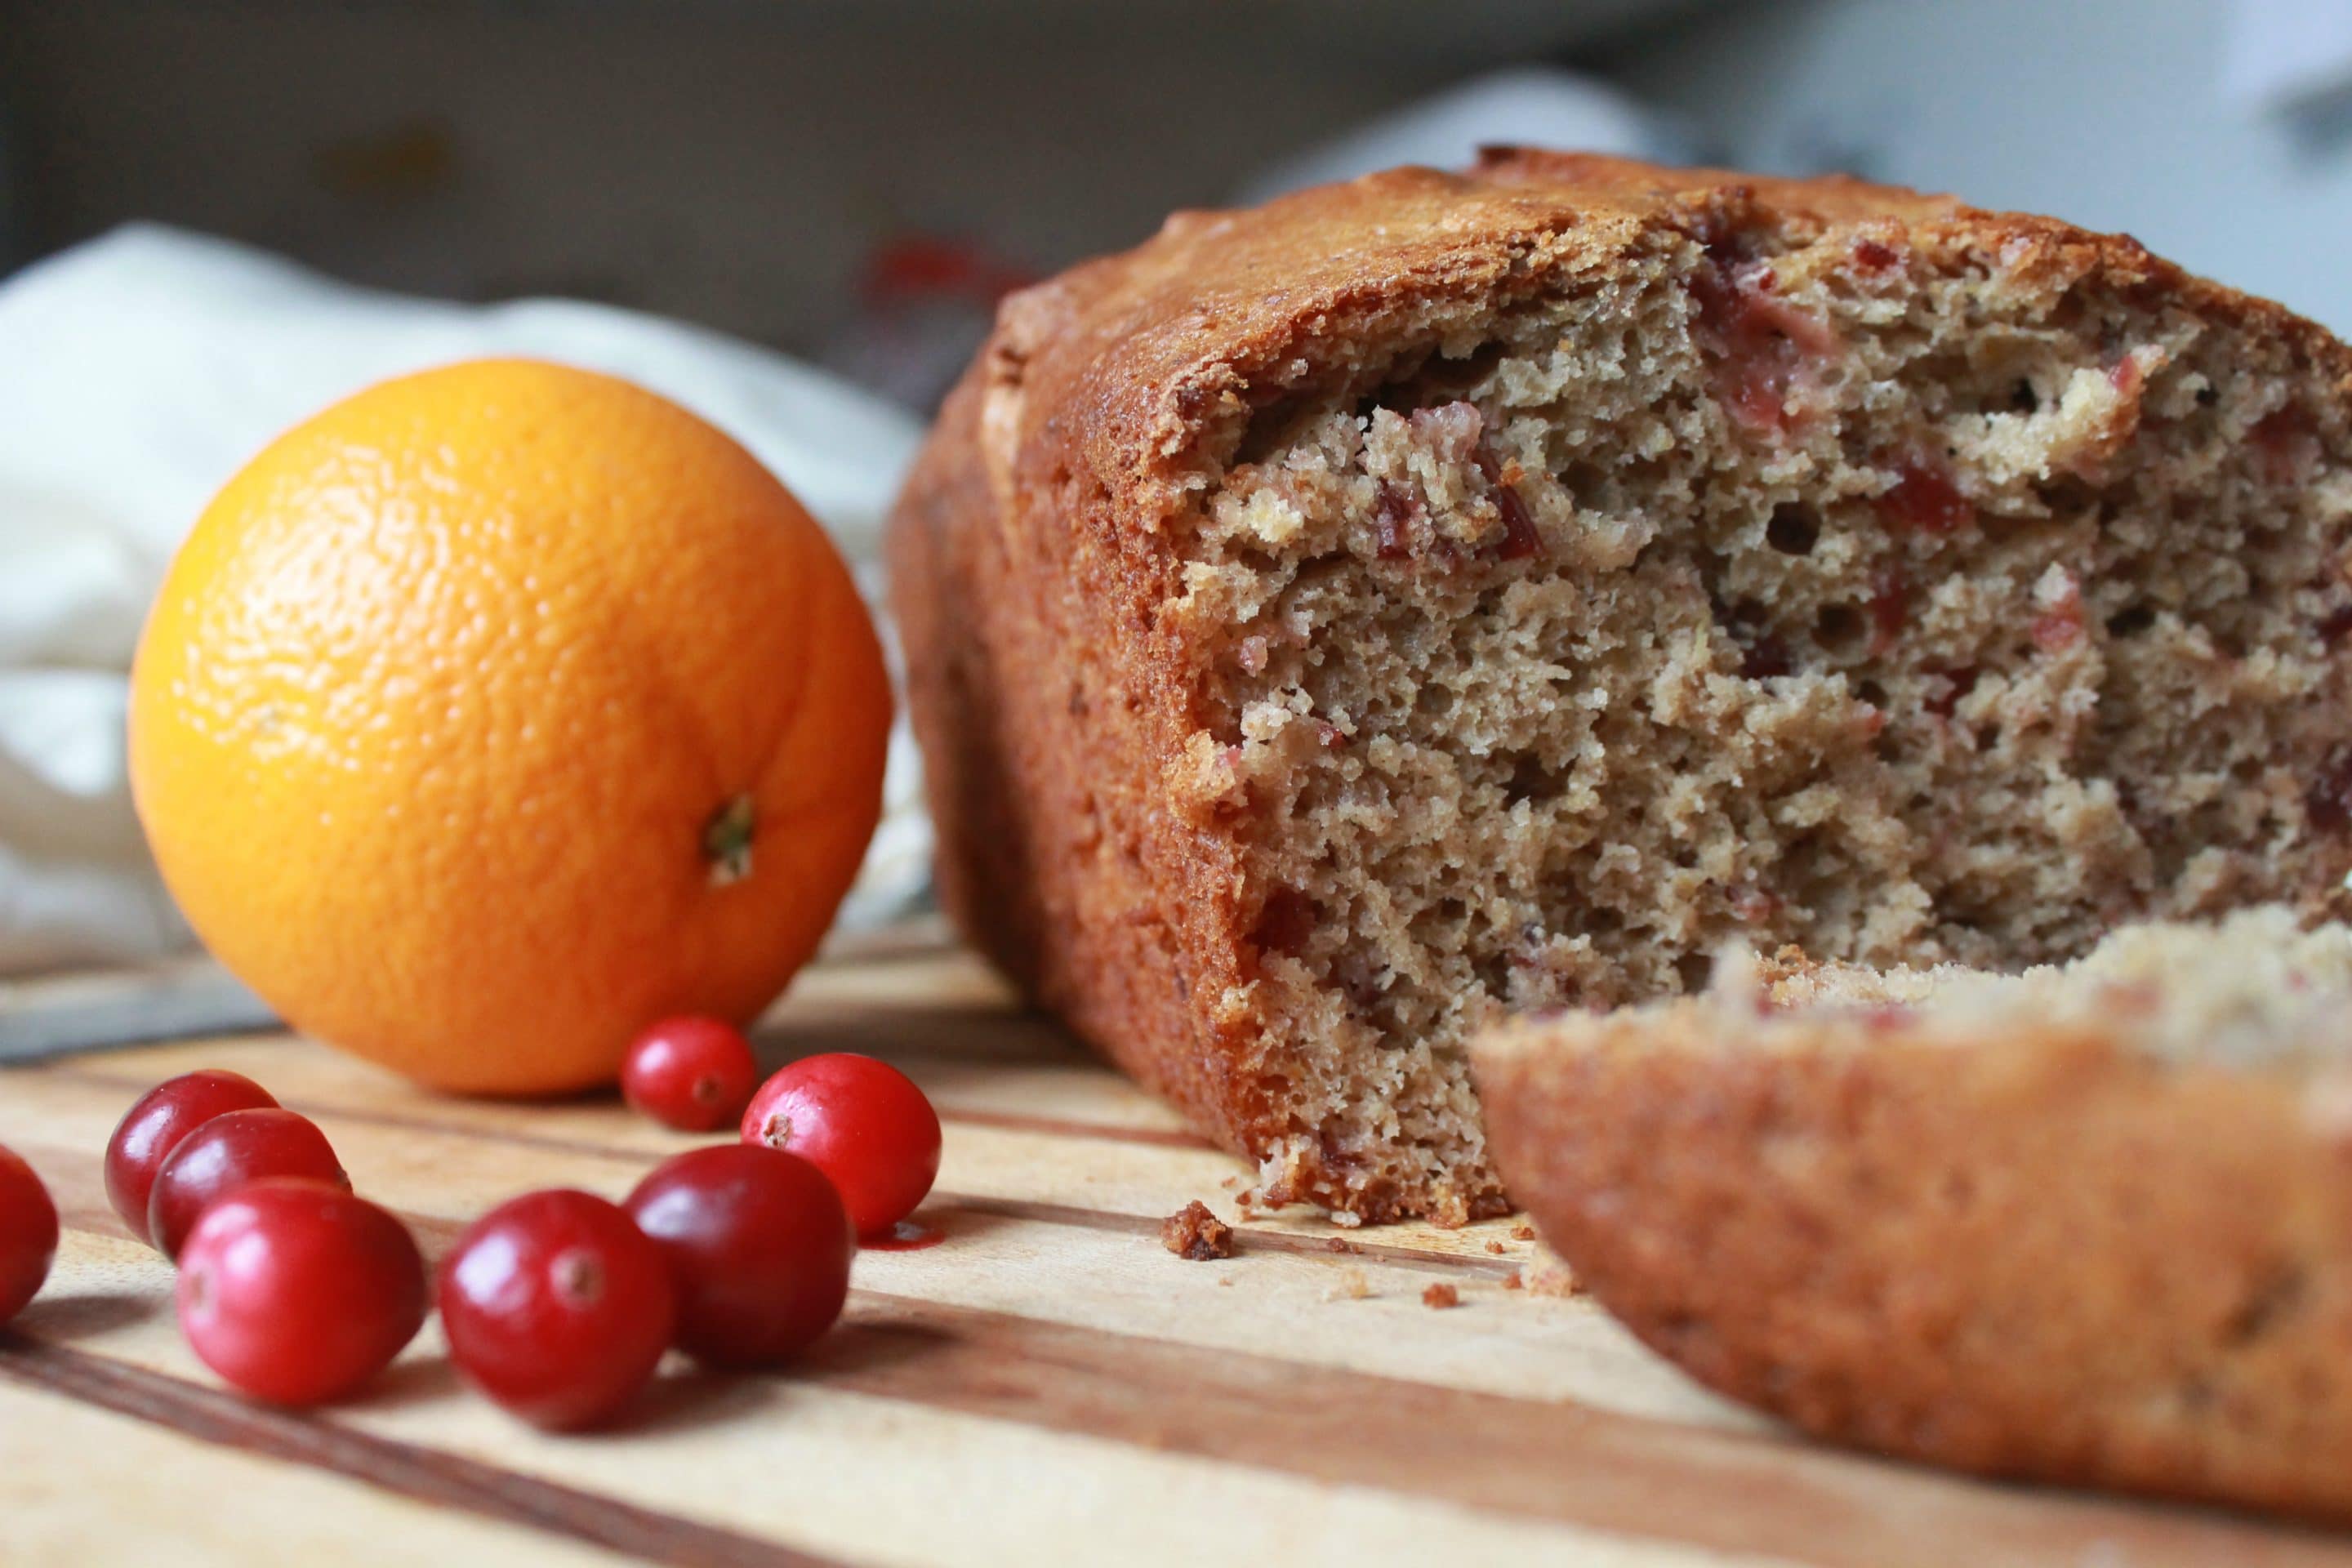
(1045, 528)
(2036, 1254)
(1129, 365)
(1038, 721)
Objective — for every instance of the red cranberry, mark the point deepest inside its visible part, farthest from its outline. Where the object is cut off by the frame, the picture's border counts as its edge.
(1520, 538)
(1890, 604)
(1924, 497)
(2055, 632)
(153, 1127)
(2286, 442)
(758, 1248)
(1945, 689)
(1285, 923)
(298, 1291)
(2328, 802)
(693, 1074)
(29, 1234)
(1764, 657)
(222, 1155)
(1392, 515)
(1763, 347)
(863, 1122)
(1874, 255)
(557, 1306)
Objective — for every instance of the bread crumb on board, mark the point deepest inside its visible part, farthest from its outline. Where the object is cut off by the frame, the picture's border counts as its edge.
(1350, 1285)
(1550, 1275)
(1496, 1247)
(1523, 1233)
(1196, 1233)
(1440, 1295)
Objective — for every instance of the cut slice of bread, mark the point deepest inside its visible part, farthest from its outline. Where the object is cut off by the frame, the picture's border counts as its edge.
(1331, 624)
(2089, 1225)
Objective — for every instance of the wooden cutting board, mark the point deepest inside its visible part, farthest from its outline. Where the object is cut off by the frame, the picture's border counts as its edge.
(1049, 1384)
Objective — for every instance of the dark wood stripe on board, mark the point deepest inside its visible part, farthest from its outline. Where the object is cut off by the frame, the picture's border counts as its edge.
(447, 1481)
(1530, 1459)
(1537, 1459)
(1725, 1491)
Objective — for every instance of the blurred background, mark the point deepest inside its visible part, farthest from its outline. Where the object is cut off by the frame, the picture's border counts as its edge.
(796, 216)
(852, 180)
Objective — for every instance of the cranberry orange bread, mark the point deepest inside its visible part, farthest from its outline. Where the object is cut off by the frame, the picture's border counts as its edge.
(2087, 1224)
(1334, 623)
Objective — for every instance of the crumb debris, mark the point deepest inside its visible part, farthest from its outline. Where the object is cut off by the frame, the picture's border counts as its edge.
(1514, 1281)
(1523, 1233)
(1341, 1244)
(1196, 1233)
(1496, 1247)
(1224, 1279)
(1440, 1295)
(1550, 1276)
(1351, 1286)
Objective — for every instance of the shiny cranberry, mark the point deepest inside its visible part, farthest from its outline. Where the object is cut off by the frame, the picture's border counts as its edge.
(153, 1127)
(224, 1154)
(298, 1291)
(557, 1306)
(861, 1122)
(758, 1248)
(29, 1234)
(693, 1074)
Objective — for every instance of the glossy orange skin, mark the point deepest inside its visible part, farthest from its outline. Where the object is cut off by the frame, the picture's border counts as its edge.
(430, 719)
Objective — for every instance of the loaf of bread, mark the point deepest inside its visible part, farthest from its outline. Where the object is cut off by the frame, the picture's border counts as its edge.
(2090, 1225)
(1334, 623)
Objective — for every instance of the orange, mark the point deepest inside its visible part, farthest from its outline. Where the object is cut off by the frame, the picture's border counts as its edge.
(499, 711)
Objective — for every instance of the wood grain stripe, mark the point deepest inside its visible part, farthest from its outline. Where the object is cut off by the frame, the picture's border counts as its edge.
(449, 1480)
(1725, 1491)
(1065, 1127)
(1518, 1456)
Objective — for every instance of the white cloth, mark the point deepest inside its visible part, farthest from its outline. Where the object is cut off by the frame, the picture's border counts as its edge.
(140, 370)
